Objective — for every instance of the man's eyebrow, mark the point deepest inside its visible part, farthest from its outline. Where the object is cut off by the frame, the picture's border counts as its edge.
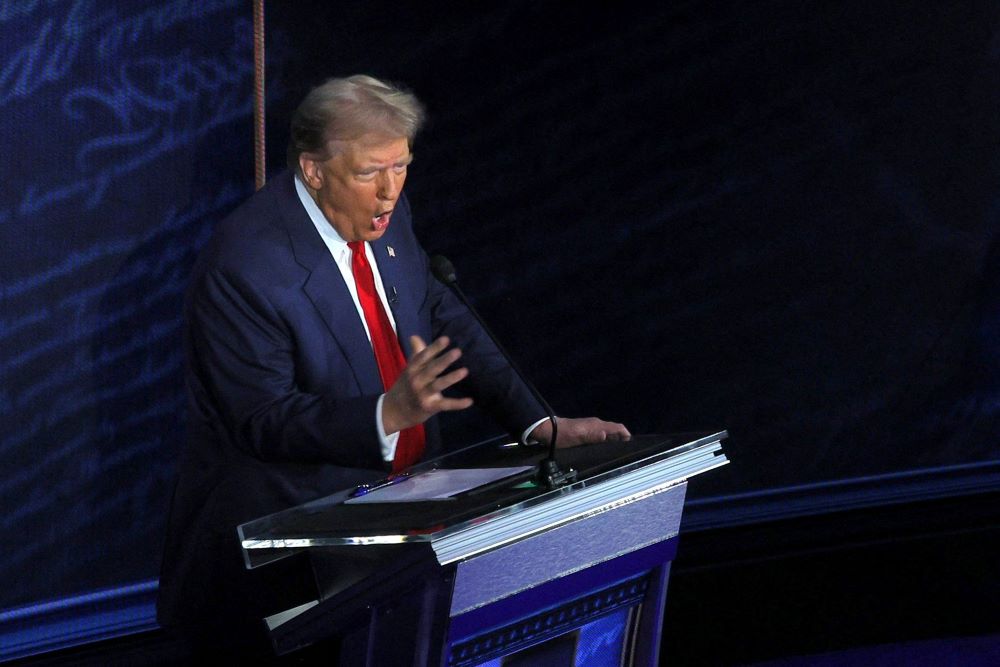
(375, 166)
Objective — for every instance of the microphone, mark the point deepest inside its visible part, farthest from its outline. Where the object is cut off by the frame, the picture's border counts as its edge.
(549, 472)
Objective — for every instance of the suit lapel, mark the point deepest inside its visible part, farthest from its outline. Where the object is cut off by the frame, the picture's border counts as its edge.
(328, 293)
(326, 290)
(404, 312)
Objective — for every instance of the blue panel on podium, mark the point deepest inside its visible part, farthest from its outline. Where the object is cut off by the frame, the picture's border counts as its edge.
(569, 548)
(558, 591)
(567, 604)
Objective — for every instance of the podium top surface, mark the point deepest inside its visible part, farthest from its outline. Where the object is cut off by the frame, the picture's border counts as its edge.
(608, 472)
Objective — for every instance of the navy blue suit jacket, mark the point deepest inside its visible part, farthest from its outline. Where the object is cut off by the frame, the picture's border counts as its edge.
(282, 383)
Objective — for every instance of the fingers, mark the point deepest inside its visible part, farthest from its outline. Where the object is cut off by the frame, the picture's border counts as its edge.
(574, 432)
(435, 367)
(422, 351)
(428, 362)
(452, 404)
(616, 431)
(432, 400)
(417, 344)
(444, 381)
(416, 394)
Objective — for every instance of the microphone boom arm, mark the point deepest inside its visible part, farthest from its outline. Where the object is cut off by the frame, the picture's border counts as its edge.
(549, 472)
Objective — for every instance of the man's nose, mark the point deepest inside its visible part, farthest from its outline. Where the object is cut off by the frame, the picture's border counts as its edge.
(388, 184)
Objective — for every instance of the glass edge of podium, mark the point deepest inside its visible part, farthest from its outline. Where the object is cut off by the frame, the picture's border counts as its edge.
(625, 484)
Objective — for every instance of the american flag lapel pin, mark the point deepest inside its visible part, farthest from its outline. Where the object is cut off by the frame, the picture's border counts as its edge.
(392, 251)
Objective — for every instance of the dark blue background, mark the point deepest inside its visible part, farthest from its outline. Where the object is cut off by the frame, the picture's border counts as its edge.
(776, 218)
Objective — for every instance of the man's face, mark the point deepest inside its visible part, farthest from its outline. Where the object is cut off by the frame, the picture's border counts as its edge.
(358, 187)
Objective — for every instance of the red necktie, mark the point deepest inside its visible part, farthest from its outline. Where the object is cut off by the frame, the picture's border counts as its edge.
(388, 354)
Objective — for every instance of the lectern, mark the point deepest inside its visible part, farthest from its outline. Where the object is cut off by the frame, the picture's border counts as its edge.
(443, 568)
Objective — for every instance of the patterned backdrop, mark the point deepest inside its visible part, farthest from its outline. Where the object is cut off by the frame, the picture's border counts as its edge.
(777, 218)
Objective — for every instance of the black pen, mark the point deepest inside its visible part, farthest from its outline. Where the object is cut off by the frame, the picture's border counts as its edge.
(394, 478)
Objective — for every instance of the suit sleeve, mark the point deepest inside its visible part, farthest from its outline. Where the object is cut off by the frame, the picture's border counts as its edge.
(242, 379)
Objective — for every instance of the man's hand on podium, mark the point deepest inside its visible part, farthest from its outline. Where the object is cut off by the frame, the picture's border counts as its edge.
(579, 431)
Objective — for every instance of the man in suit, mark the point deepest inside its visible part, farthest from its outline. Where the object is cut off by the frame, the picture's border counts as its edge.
(318, 348)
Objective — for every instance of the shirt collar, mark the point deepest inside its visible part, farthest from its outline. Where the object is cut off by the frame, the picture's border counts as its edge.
(331, 238)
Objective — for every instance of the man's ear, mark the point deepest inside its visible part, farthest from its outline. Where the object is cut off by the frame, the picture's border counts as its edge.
(312, 174)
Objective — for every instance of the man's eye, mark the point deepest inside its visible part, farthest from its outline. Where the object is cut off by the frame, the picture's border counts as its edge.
(399, 168)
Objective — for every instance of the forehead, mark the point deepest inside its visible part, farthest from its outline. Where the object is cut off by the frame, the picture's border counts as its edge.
(376, 149)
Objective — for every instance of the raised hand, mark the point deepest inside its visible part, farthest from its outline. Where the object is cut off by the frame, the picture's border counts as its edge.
(416, 396)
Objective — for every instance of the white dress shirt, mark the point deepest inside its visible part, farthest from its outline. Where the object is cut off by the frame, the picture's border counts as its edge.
(341, 254)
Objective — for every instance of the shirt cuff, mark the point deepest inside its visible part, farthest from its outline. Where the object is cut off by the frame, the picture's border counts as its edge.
(527, 431)
(388, 441)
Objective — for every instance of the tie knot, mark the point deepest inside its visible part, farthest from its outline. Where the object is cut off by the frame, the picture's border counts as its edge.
(357, 247)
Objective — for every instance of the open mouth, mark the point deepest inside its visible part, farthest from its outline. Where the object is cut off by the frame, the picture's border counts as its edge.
(381, 220)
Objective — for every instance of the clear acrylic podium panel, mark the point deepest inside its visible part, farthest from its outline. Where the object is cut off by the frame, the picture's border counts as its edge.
(609, 474)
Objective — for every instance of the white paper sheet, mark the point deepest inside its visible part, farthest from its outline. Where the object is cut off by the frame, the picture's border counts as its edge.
(436, 484)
